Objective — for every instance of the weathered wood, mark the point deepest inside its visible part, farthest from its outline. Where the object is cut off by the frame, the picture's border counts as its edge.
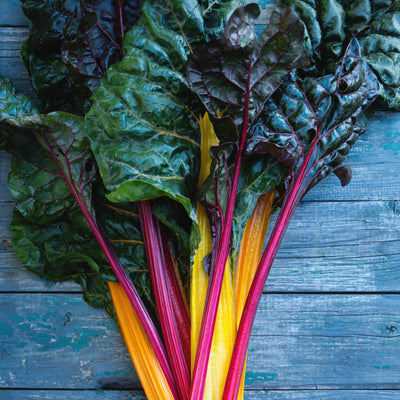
(329, 246)
(9, 394)
(15, 278)
(372, 180)
(299, 342)
(11, 13)
(375, 162)
(11, 66)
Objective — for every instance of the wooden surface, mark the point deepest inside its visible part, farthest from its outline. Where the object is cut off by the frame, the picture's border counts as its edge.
(328, 326)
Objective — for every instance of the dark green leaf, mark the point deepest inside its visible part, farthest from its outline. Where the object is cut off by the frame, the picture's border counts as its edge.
(71, 44)
(142, 124)
(39, 185)
(313, 123)
(237, 73)
(330, 25)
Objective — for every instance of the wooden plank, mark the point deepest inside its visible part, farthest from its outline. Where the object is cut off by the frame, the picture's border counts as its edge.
(15, 278)
(375, 162)
(11, 13)
(58, 341)
(322, 395)
(354, 248)
(11, 66)
(298, 342)
(5, 160)
(377, 180)
(340, 246)
(10, 394)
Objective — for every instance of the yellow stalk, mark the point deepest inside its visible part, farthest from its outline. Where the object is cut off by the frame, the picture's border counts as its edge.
(251, 247)
(250, 251)
(225, 328)
(146, 364)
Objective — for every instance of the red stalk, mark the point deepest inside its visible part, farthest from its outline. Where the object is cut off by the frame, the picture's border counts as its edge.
(120, 273)
(177, 301)
(215, 284)
(153, 239)
(293, 197)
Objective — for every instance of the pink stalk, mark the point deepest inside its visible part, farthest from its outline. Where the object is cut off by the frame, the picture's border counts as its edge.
(120, 273)
(293, 197)
(121, 20)
(177, 301)
(152, 239)
(215, 284)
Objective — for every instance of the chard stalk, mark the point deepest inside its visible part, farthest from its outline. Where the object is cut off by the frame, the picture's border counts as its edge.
(178, 301)
(225, 329)
(116, 265)
(292, 199)
(218, 270)
(155, 257)
(146, 363)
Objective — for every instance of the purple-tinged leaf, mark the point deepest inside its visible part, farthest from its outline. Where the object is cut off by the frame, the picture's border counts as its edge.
(324, 142)
(235, 76)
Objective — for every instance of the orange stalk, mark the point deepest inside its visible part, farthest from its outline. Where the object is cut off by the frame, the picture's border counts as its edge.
(143, 357)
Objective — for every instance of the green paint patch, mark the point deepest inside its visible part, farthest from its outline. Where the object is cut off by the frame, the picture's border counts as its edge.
(382, 366)
(77, 341)
(257, 377)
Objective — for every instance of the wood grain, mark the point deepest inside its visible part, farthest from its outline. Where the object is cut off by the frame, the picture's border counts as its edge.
(11, 13)
(299, 342)
(8, 394)
(329, 320)
(344, 246)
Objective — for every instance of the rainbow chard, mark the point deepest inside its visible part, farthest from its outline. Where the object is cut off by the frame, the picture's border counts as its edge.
(51, 179)
(234, 76)
(310, 126)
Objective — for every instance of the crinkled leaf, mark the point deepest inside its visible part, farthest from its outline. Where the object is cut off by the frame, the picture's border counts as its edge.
(331, 24)
(71, 44)
(313, 123)
(235, 75)
(381, 49)
(142, 124)
(12, 105)
(40, 185)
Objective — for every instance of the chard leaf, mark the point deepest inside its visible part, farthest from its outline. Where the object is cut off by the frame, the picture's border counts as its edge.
(311, 124)
(12, 105)
(381, 50)
(235, 75)
(39, 185)
(71, 44)
(50, 232)
(57, 219)
(143, 123)
(331, 24)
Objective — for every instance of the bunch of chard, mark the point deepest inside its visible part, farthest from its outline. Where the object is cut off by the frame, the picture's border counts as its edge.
(199, 131)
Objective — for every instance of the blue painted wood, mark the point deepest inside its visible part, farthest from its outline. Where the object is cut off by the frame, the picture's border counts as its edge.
(11, 13)
(249, 395)
(343, 246)
(299, 342)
